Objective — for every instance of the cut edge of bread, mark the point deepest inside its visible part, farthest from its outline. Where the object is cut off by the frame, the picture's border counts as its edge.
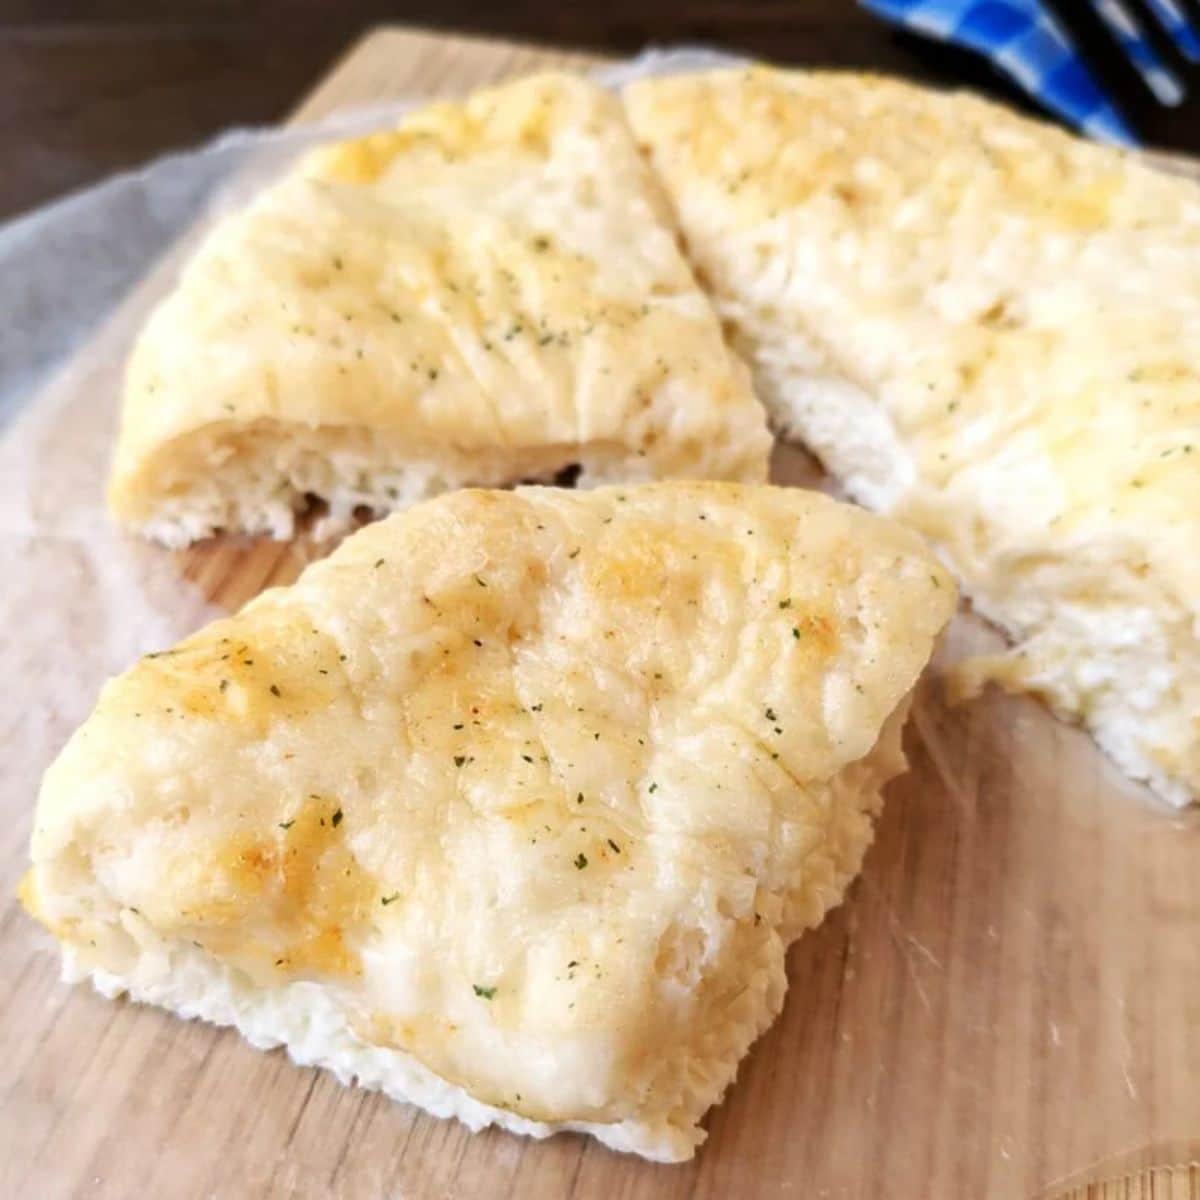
(1120, 689)
(304, 1018)
(260, 481)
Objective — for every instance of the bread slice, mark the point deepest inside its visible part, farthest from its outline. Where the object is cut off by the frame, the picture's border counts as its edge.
(510, 807)
(985, 328)
(488, 293)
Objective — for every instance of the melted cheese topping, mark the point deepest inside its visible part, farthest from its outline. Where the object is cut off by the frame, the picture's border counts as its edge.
(988, 329)
(486, 294)
(536, 786)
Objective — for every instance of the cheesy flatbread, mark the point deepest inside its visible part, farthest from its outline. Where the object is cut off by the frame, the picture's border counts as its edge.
(985, 328)
(512, 806)
(487, 294)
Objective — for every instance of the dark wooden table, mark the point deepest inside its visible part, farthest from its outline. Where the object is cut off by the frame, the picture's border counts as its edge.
(90, 88)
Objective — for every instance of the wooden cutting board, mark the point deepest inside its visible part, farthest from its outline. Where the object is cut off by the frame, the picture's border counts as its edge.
(1008, 1004)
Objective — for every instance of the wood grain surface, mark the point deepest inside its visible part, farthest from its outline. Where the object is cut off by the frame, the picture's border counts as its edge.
(1008, 1004)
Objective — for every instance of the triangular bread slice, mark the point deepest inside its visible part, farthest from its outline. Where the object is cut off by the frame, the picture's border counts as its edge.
(512, 805)
(986, 328)
(488, 294)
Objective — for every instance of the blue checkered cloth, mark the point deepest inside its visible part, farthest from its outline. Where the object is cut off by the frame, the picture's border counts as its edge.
(1174, 20)
(1025, 41)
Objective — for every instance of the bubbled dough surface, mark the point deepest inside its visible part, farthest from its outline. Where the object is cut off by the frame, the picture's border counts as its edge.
(492, 279)
(986, 328)
(538, 785)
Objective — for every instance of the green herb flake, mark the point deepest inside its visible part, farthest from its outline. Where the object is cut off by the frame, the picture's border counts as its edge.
(287, 824)
(579, 798)
(386, 900)
(275, 690)
(616, 848)
(580, 861)
(795, 633)
(769, 713)
(337, 818)
(484, 993)
(459, 759)
(785, 603)
(479, 581)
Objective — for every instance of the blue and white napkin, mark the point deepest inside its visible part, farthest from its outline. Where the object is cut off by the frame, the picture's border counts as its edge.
(1025, 41)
